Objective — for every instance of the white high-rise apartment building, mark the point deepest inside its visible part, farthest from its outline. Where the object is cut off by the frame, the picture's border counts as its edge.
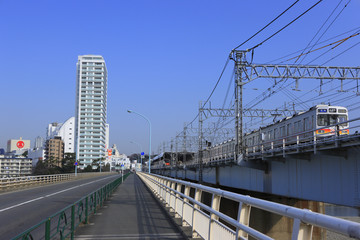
(64, 130)
(90, 118)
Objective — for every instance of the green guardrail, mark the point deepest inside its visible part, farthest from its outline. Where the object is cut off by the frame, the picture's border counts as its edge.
(62, 224)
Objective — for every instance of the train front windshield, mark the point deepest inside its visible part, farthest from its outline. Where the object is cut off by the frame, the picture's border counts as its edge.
(331, 119)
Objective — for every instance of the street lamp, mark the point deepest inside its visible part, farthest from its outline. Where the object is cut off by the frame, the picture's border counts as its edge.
(130, 111)
(140, 151)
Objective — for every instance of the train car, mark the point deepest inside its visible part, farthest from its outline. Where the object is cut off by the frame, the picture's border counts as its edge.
(161, 160)
(320, 121)
(221, 151)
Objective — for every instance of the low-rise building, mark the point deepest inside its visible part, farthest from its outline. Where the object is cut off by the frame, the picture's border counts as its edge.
(54, 151)
(11, 166)
(36, 155)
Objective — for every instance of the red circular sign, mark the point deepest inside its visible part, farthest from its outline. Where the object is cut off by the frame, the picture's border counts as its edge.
(20, 144)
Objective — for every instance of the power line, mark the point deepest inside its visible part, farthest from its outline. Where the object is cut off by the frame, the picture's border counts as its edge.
(288, 55)
(266, 25)
(320, 30)
(286, 25)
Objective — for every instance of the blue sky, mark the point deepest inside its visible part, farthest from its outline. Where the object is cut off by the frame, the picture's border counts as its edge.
(163, 57)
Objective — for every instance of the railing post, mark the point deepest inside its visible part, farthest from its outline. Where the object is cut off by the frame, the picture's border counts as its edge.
(95, 202)
(72, 221)
(47, 229)
(314, 142)
(172, 195)
(283, 147)
(243, 218)
(297, 143)
(186, 193)
(301, 231)
(215, 204)
(178, 189)
(86, 209)
(198, 193)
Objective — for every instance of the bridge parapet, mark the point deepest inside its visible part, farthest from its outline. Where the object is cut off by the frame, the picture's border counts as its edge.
(208, 222)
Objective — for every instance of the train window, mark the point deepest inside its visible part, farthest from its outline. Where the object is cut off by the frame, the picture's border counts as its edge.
(275, 133)
(322, 120)
(341, 110)
(306, 124)
(332, 119)
(342, 118)
(282, 131)
(327, 119)
(289, 132)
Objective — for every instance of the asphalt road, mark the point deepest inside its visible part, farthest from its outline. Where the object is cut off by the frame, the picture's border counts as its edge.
(25, 208)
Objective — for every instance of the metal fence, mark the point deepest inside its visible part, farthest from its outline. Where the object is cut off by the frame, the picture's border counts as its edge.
(208, 222)
(62, 224)
(28, 181)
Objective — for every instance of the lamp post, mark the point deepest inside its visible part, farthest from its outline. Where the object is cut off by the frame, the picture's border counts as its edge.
(140, 150)
(130, 111)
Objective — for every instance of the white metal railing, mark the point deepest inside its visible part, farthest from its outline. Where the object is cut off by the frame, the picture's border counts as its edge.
(204, 219)
(308, 137)
(28, 181)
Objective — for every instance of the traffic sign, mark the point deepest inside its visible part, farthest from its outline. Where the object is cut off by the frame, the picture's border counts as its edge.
(76, 163)
(142, 153)
(20, 144)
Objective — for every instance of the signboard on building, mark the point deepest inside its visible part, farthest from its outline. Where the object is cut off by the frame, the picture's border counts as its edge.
(17, 144)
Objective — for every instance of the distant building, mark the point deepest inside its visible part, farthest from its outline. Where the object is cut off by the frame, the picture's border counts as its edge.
(54, 151)
(91, 107)
(2, 151)
(64, 130)
(15, 166)
(39, 142)
(18, 145)
(36, 155)
(115, 159)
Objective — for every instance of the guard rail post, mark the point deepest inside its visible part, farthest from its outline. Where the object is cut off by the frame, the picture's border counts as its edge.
(243, 218)
(215, 204)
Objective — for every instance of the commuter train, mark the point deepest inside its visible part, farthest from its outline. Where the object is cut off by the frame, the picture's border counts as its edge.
(164, 159)
(319, 121)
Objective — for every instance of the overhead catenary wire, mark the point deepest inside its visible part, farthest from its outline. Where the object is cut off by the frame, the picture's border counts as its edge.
(321, 28)
(267, 25)
(286, 25)
(322, 42)
(285, 83)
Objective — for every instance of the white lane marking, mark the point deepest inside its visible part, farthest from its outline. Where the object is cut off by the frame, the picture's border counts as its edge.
(49, 195)
(23, 203)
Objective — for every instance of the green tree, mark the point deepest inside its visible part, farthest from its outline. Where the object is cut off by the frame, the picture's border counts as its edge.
(106, 168)
(41, 168)
(25, 154)
(88, 168)
(68, 163)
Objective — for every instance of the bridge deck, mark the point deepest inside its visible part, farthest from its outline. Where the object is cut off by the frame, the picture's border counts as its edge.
(131, 213)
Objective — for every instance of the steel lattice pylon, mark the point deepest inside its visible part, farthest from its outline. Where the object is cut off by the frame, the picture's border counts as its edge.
(246, 73)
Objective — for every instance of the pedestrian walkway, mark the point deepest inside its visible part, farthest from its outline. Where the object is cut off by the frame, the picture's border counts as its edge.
(131, 213)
